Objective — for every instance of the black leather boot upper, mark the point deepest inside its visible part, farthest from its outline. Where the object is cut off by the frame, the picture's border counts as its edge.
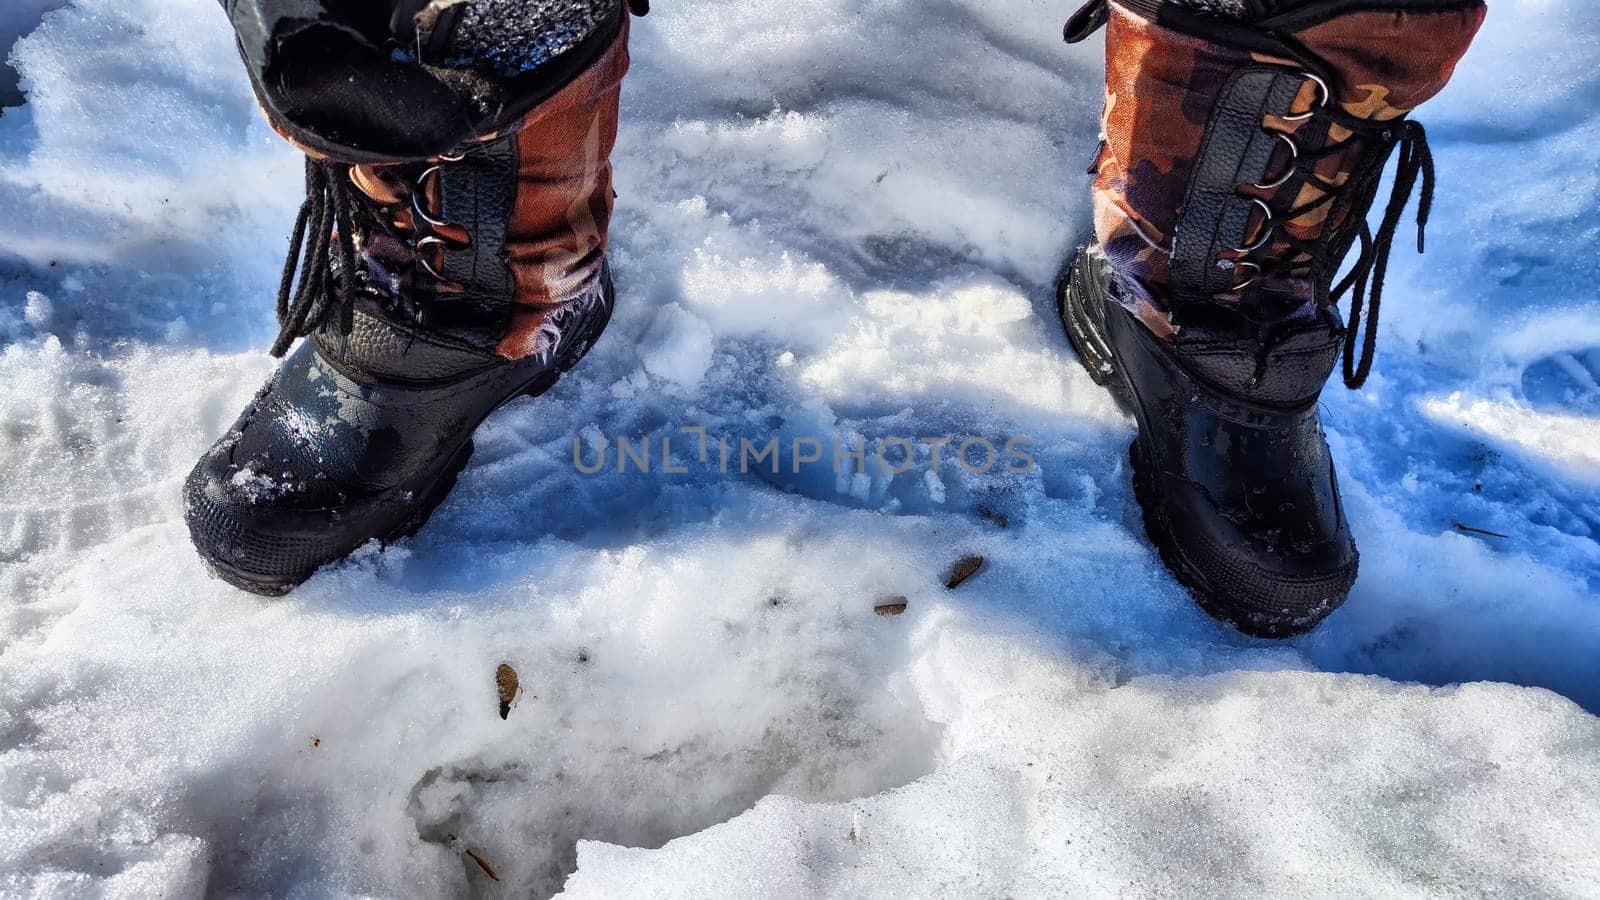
(1231, 466)
(405, 297)
(357, 438)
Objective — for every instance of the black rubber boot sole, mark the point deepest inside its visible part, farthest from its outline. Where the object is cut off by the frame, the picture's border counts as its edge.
(1086, 332)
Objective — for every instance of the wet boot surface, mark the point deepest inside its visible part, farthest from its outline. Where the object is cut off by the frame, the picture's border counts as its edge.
(1239, 162)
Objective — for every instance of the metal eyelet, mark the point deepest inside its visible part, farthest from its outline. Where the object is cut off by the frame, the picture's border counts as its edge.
(1255, 275)
(1266, 229)
(1294, 159)
(428, 243)
(1326, 96)
(417, 195)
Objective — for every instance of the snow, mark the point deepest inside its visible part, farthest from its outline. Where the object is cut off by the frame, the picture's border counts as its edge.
(836, 223)
(678, 347)
(22, 17)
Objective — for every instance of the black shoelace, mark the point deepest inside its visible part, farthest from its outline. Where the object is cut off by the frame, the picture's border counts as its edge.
(1416, 158)
(324, 239)
(1364, 283)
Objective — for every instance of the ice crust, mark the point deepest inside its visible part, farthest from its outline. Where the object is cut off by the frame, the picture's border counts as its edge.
(836, 220)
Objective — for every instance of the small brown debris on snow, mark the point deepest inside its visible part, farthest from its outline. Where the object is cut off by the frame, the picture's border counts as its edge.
(483, 864)
(963, 570)
(316, 742)
(995, 516)
(505, 678)
(893, 607)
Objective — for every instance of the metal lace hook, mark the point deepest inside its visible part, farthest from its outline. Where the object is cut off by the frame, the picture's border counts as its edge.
(1325, 96)
(1255, 275)
(1294, 160)
(417, 203)
(1266, 229)
(426, 244)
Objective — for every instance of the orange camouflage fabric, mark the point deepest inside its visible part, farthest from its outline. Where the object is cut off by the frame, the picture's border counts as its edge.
(1161, 88)
(556, 239)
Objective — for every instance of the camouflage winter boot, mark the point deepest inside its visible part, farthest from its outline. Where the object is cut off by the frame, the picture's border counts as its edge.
(450, 257)
(1240, 159)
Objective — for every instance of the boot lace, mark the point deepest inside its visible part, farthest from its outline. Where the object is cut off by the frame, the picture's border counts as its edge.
(324, 229)
(323, 274)
(1278, 252)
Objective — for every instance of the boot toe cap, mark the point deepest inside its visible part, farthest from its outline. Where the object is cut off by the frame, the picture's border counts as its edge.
(1263, 584)
(1282, 593)
(245, 535)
